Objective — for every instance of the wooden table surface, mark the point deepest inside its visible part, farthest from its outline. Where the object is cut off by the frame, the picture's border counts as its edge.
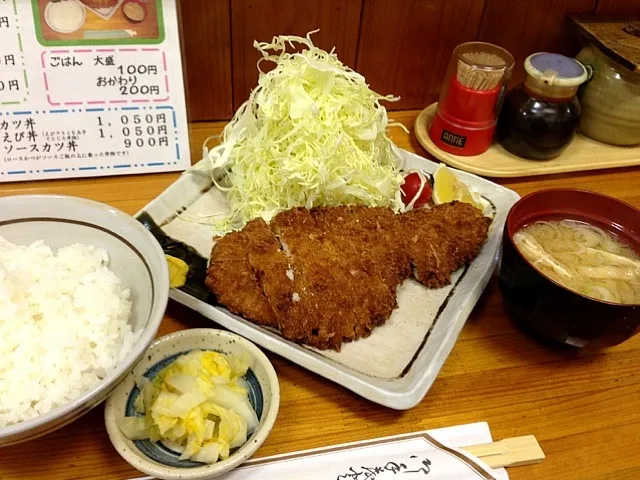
(583, 407)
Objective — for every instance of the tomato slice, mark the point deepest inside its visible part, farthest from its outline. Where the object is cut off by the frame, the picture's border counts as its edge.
(411, 187)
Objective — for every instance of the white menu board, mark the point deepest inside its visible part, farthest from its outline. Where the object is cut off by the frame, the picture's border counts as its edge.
(90, 88)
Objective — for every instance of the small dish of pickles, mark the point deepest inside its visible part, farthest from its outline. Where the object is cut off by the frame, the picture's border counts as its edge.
(198, 404)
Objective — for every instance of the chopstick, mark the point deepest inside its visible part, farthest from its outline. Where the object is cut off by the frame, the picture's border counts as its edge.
(107, 34)
(510, 452)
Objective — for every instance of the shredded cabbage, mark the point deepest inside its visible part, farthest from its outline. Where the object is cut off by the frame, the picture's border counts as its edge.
(312, 133)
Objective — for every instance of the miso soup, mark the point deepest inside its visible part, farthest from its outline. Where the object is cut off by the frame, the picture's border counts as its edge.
(583, 258)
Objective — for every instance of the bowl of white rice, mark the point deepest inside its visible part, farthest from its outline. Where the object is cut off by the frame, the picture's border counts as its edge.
(83, 289)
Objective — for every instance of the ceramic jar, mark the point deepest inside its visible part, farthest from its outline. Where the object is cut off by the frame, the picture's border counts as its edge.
(610, 100)
(540, 117)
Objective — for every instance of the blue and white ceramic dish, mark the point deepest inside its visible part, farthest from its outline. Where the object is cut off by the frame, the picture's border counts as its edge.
(163, 461)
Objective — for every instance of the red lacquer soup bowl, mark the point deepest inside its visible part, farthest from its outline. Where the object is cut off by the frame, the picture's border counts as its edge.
(545, 308)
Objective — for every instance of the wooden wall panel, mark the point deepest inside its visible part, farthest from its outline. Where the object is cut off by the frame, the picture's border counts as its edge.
(338, 21)
(527, 26)
(405, 46)
(402, 47)
(207, 57)
(618, 7)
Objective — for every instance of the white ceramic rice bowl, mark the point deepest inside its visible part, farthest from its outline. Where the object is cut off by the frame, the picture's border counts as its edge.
(135, 256)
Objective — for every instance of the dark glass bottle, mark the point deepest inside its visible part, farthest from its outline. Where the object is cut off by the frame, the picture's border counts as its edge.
(540, 117)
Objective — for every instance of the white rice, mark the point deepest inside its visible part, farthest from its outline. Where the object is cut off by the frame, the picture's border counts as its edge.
(63, 326)
(66, 16)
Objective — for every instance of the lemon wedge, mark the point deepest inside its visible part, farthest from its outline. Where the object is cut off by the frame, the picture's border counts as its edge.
(447, 187)
(178, 270)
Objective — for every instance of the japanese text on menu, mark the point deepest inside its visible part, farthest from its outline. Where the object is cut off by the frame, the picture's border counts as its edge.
(90, 88)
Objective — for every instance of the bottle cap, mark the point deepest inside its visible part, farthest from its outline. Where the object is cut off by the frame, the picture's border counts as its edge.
(555, 70)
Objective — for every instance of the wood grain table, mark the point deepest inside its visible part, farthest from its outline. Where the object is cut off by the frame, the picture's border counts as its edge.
(584, 407)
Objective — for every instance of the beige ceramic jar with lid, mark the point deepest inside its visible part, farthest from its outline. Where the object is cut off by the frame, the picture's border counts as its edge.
(610, 100)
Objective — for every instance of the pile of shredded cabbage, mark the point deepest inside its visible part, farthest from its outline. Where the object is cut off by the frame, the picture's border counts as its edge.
(311, 134)
(198, 405)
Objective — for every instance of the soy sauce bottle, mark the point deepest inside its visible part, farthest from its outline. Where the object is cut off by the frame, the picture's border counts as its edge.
(540, 117)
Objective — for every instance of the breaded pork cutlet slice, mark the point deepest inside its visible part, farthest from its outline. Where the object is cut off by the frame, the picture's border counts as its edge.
(335, 298)
(442, 239)
(271, 268)
(362, 240)
(275, 277)
(269, 263)
(370, 233)
(231, 277)
(466, 227)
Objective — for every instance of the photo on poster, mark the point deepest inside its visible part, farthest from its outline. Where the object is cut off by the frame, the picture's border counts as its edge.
(98, 22)
(74, 106)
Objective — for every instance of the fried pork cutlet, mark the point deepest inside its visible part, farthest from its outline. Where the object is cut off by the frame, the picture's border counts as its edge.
(329, 275)
(466, 228)
(370, 233)
(442, 239)
(339, 295)
(231, 277)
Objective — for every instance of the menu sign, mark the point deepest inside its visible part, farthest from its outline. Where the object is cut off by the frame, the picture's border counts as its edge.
(90, 88)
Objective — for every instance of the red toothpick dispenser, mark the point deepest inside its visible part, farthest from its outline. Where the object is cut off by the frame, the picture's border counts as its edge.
(470, 99)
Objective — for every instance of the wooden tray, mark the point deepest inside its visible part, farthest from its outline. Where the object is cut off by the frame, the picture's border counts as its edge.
(583, 154)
